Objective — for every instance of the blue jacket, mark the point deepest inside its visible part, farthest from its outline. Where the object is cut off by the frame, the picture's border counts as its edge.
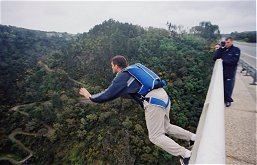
(118, 88)
(230, 57)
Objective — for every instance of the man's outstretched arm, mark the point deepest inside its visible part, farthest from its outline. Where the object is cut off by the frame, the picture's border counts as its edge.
(115, 90)
(84, 92)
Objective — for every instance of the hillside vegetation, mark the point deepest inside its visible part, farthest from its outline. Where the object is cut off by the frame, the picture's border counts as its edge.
(248, 36)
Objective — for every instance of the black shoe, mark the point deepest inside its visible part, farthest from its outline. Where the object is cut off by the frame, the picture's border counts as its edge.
(228, 104)
(184, 161)
(191, 144)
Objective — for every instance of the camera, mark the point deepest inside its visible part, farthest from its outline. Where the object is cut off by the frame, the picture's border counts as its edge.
(222, 44)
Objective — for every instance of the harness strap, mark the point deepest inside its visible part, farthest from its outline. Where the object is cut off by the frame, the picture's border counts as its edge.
(157, 102)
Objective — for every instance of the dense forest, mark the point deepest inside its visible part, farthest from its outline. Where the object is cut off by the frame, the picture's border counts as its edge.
(44, 120)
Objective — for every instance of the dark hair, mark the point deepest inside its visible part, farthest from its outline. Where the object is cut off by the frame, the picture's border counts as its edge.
(229, 38)
(120, 61)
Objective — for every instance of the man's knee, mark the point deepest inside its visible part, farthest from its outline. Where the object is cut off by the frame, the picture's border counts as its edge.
(154, 139)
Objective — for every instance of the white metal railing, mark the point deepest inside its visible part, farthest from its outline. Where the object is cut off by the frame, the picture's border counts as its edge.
(209, 147)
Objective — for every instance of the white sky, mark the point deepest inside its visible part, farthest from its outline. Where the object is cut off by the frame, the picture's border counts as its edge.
(80, 16)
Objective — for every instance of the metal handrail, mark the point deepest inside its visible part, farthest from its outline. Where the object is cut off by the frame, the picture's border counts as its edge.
(209, 147)
(250, 70)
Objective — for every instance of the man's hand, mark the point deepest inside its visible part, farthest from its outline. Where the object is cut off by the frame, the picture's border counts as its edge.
(84, 93)
(217, 46)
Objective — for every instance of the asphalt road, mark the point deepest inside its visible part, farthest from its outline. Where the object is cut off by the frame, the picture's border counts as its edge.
(248, 52)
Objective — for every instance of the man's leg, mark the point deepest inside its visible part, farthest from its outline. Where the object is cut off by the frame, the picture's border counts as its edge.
(154, 117)
(228, 87)
(174, 130)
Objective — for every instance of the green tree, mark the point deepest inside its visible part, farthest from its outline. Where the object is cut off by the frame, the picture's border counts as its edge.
(206, 30)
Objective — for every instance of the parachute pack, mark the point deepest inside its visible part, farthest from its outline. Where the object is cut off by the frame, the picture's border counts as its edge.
(149, 81)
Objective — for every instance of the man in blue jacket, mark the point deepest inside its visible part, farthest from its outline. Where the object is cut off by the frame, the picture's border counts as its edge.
(157, 108)
(230, 56)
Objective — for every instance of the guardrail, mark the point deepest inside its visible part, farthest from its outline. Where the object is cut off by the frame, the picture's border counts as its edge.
(209, 147)
(250, 70)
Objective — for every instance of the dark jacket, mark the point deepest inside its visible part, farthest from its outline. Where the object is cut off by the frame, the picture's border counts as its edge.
(119, 87)
(230, 57)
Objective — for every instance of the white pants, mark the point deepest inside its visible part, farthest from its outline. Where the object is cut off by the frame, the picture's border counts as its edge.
(158, 123)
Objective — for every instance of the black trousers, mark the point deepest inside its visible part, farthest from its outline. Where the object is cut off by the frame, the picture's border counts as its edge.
(229, 84)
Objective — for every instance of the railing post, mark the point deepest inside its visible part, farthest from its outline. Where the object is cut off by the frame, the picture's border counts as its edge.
(209, 147)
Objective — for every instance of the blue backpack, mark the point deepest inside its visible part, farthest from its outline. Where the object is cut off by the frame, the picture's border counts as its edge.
(148, 79)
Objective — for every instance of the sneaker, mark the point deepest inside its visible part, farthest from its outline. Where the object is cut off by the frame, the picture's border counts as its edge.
(228, 104)
(191, 144)
(184, 161)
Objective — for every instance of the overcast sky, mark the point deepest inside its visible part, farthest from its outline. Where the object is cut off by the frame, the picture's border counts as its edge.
(81, 16)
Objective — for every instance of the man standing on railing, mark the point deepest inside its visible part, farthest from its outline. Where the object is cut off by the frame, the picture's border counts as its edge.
(230, 56)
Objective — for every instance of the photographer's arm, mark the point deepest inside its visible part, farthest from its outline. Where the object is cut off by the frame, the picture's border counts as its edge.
(218, 53)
